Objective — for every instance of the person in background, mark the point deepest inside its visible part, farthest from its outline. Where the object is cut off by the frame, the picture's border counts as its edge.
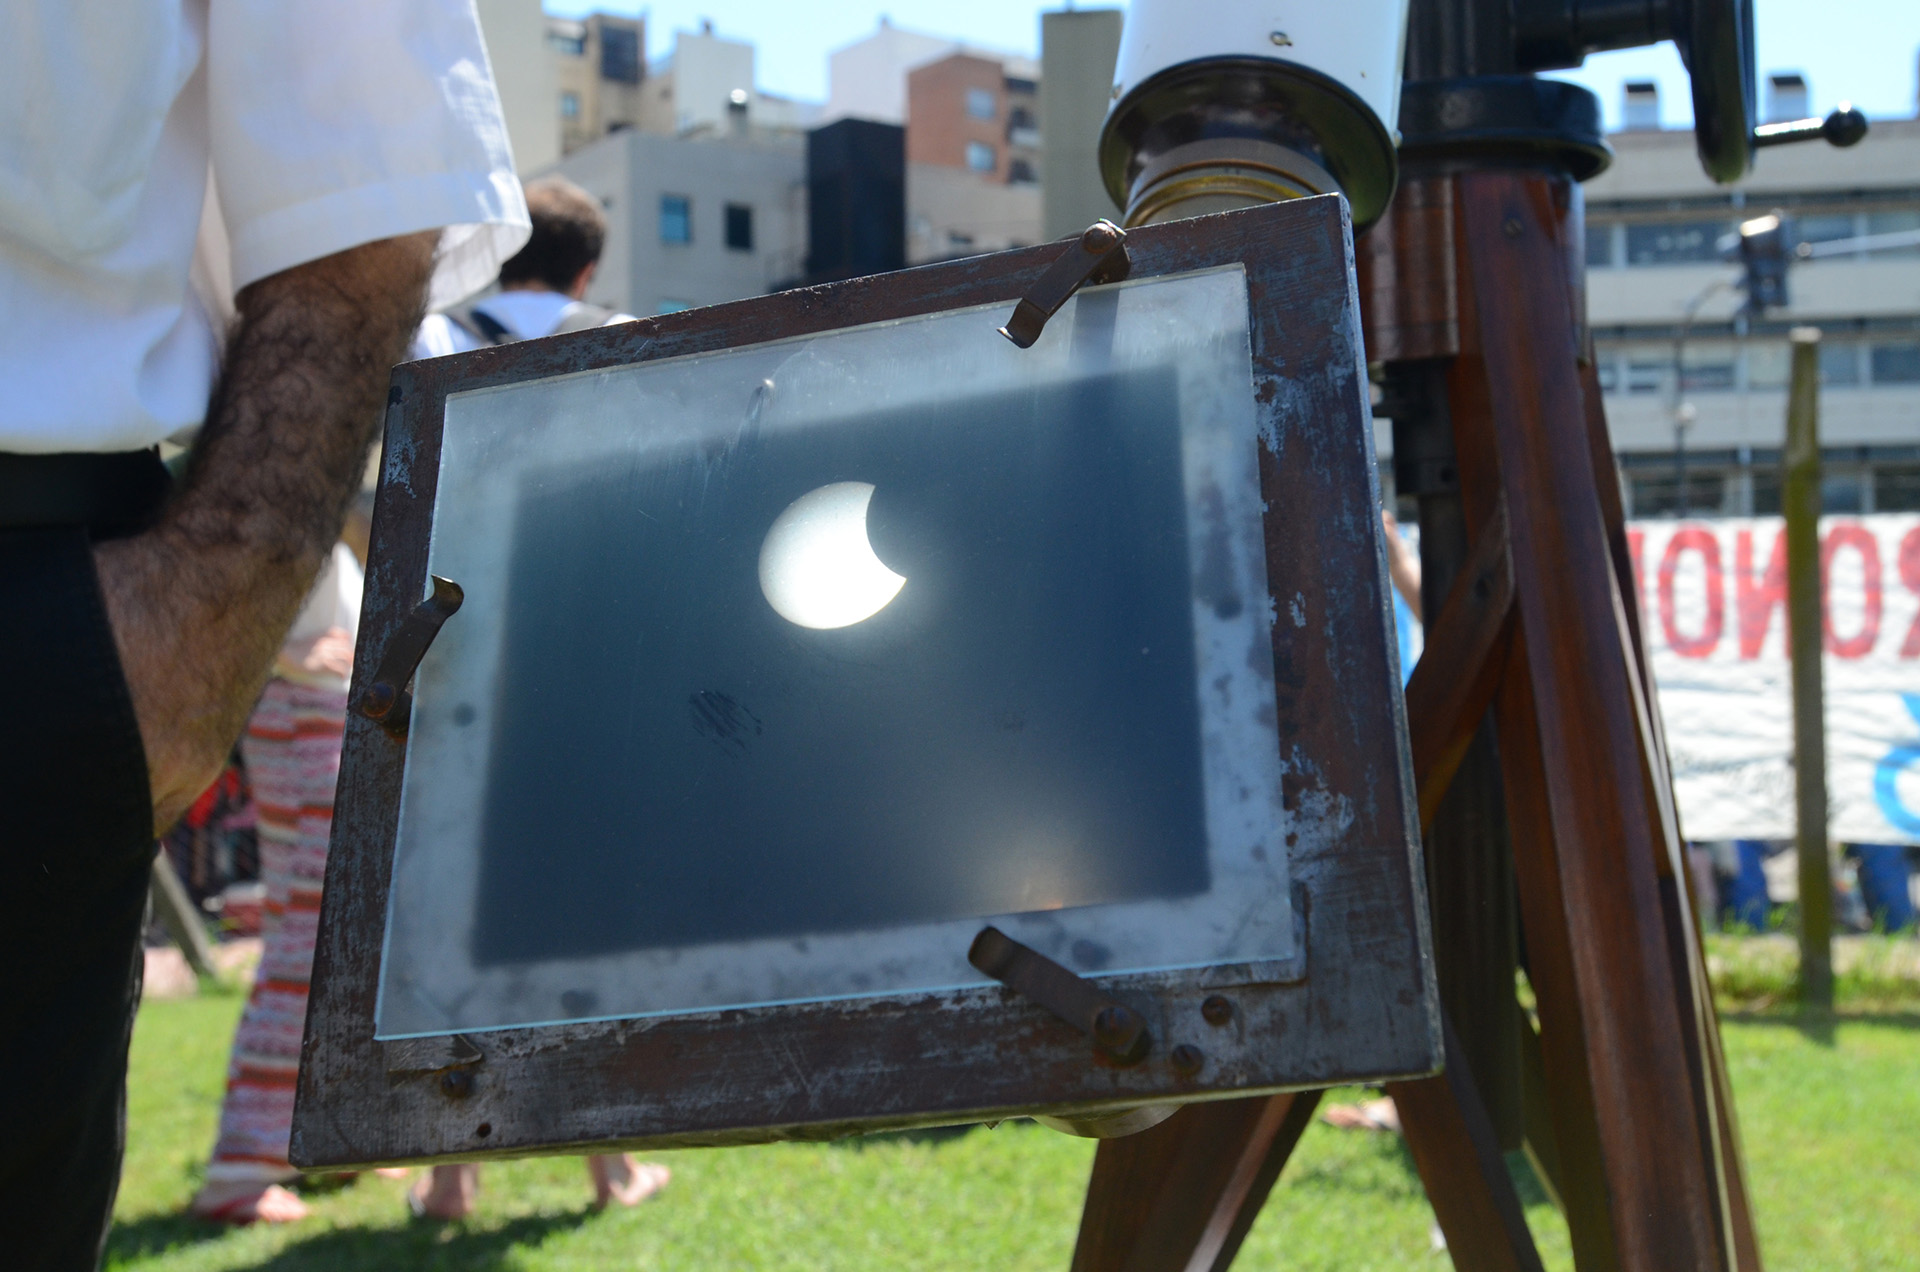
(542, 293)
(1885, 886)
(1403, 569)
(292, 752)
(1403, 564)
(543, 289)
(209, 222)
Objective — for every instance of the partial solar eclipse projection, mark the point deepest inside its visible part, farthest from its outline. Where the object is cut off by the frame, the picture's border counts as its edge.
(817, 567)
(752, 698)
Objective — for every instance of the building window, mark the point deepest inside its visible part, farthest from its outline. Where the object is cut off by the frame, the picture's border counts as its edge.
(1706, 377)
(1599, 246)
(739, 227)
(1824, 228)
(570, 45)
(1020, 172)
(674, 306)
(1896, 488)
(1769, 362)
(620, 54)
(1843, 491)
(980, 103)
(1896, 363)
(569, 105)
(1648, 377)
(676, 218)
(1839, 364)
(1657, 493)
(1894, 223)
(1674, 244)
(981, 157)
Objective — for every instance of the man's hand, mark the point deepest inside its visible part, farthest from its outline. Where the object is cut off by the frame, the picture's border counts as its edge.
(200, 603)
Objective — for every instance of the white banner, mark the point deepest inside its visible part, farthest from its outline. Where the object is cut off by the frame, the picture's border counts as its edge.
(1713, 605)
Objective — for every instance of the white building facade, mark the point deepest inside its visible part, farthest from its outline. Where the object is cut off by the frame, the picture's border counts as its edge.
(1697, 404)
(694, 221)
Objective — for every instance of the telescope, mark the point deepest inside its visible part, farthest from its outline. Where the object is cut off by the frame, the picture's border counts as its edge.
(971, 692)
(1221, 104)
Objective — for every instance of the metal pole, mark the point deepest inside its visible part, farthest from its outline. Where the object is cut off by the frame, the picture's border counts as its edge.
(181, 917)
(1800, 499)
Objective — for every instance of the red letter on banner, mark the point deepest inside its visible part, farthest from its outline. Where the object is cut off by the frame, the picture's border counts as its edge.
(1703, 542)
(1754, 601)
(1636, 545)
(1910, 575)
(1857, 537)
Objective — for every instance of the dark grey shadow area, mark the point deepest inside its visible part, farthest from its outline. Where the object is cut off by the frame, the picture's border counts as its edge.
(673, 763)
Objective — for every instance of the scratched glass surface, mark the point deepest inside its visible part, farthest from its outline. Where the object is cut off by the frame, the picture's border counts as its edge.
(783, 669)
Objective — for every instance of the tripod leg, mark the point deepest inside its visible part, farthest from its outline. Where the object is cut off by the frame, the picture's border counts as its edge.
(1586, 833)
(1184, 1194)
(1739, 1211)
(1181, 1196)
(1447, 1128)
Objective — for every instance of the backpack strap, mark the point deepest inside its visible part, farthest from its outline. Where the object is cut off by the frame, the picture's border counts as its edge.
(481, 325)
(583, 317)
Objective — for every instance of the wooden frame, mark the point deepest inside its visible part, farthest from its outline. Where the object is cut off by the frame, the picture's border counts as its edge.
(1359, 1006)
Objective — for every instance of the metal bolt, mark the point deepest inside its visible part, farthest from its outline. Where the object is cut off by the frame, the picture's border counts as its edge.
(1186, 1059)
(1216, 1010)
(1511, 227)
(1115, 1028)
(1099, 237)
(378, 699)
(456, 1084)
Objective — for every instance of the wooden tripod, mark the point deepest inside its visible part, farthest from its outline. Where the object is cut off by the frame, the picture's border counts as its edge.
(1473, 283)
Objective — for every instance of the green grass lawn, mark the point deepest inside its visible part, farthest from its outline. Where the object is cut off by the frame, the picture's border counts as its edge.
(1831, 1119)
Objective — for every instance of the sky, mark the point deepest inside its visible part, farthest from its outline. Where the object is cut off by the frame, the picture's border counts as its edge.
(1860, 50)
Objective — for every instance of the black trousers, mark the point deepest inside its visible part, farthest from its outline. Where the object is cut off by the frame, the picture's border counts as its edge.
(76, 852)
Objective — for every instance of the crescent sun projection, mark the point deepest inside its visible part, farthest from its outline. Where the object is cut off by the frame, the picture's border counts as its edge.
(817, 567)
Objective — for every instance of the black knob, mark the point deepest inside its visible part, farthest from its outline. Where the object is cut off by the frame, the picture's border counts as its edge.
(1844, 127)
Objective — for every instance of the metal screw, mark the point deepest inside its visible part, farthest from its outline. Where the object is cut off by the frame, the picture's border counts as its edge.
(1115, 1028)
(1099, 237)
(1510, 227)
(1282, 39)
(378, 699)
(1216, 1010)
(1186, 1059)
(456, 1084)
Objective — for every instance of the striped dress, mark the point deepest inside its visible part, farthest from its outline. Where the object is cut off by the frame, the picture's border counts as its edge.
(292, 751)
(292, 754)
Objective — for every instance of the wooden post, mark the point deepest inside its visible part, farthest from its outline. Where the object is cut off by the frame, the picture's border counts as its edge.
(1800, 499)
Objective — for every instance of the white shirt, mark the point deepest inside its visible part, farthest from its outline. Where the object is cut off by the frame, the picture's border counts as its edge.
(528, 314)
(300, 127)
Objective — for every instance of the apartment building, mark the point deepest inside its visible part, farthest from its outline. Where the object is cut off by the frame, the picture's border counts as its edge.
(1695, 389)
(694, 220)
(600, 65)
(973, 155)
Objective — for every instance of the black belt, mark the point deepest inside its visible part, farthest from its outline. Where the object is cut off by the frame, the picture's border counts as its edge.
(110, 494)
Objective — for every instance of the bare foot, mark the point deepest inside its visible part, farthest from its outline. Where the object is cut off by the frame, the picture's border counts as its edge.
(241, 1202)
(1374, 1115)
(446, 1193)
(618, 1177)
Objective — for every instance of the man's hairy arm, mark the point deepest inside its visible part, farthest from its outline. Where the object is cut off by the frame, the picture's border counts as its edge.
(201, 602)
